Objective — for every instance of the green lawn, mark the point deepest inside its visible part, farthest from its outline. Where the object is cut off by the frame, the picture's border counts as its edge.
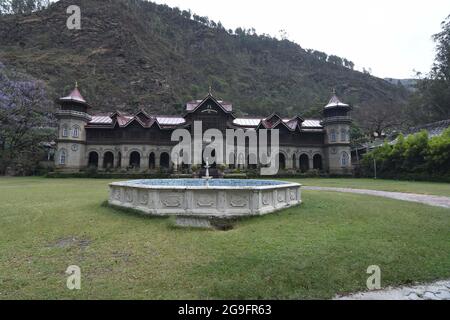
(432, 188)
(316, 250)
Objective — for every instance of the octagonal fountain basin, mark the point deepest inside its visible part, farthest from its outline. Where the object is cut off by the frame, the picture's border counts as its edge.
(197, 202)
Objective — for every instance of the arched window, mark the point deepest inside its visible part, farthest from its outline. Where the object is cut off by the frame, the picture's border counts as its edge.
(76, 132)
(343, 135)
(135, 159)
(281, 161)
(65, 132)
(304, 163)
(344, 159)
(62, 157)
(333, 135)
(164, 160)
(108, 160)
(93, 159)
(317, 162)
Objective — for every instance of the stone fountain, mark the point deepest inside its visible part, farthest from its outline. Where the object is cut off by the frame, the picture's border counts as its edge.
(197, 202)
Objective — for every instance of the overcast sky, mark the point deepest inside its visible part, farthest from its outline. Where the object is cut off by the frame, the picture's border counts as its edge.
(392, 37)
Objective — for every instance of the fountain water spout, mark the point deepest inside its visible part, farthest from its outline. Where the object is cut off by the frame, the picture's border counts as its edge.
(207, 177)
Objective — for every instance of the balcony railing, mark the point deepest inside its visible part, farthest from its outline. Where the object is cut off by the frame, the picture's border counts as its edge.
(337, 119)
(73, 113)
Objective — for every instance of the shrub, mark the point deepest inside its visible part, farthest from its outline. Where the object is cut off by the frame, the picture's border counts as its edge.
(416, 157)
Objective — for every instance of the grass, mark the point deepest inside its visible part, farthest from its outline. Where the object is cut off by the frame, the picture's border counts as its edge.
(431, 188)
(313, 251)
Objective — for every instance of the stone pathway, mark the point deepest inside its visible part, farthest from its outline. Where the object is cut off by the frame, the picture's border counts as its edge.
(434, 291)
(437, 201)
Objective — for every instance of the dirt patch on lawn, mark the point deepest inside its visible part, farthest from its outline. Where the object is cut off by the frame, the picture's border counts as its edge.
(71, 242)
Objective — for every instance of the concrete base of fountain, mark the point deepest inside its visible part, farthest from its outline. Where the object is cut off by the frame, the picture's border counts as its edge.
(196, 202)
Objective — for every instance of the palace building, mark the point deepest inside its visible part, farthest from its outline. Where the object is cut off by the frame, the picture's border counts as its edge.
(142, 142)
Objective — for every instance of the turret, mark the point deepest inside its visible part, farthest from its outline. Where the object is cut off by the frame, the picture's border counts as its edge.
(71, 143)
(336, 122)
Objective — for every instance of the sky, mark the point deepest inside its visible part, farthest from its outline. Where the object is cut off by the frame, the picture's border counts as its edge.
(391, 37)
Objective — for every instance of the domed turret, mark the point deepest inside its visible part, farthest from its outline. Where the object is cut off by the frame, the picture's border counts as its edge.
(336, 122)
(74, 101)
(72, 120)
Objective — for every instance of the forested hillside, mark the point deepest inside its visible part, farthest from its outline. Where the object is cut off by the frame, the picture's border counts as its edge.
(131, 54)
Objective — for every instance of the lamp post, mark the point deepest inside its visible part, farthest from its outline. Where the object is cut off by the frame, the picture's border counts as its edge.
(375, 167)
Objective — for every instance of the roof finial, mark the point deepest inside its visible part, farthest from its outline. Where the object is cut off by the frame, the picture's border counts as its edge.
(76, 84)
(209, 90)
(333, 91)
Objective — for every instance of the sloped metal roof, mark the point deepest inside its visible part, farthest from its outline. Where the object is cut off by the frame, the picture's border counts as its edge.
(309, 123)
(170, 121)
(75, 95)
(254, 122)
(101, 120)
(335, 102)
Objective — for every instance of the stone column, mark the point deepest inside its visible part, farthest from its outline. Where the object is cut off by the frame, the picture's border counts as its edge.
(157, 160)
(100, 160)
(125, 161)
(144, 162)
(289, 162)
(116, 160)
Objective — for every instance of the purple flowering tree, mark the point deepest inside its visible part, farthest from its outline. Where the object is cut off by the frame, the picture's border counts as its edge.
(25, 121)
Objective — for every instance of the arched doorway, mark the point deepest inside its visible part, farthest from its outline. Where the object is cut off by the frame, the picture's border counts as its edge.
(317, 162)
(93, 159)
(108, 160)
(281, 161)
(151, 161)
(164, 161)
(304, 163)
(135, 159)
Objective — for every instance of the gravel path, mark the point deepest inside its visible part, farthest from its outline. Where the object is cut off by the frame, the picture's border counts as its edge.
(436, 201)
(434, 291)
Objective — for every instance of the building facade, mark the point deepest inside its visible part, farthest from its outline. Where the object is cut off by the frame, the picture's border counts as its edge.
(142, 142)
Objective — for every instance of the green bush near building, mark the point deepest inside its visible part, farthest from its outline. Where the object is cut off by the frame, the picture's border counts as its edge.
(416, 157)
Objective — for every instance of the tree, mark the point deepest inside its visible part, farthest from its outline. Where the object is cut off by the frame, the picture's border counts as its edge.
(379, 119)
(348, 64)
(283, 34)
(335, 60)
(187, 14)
(25, 116)
(319, 55)
(431, 102)
(22, 6)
